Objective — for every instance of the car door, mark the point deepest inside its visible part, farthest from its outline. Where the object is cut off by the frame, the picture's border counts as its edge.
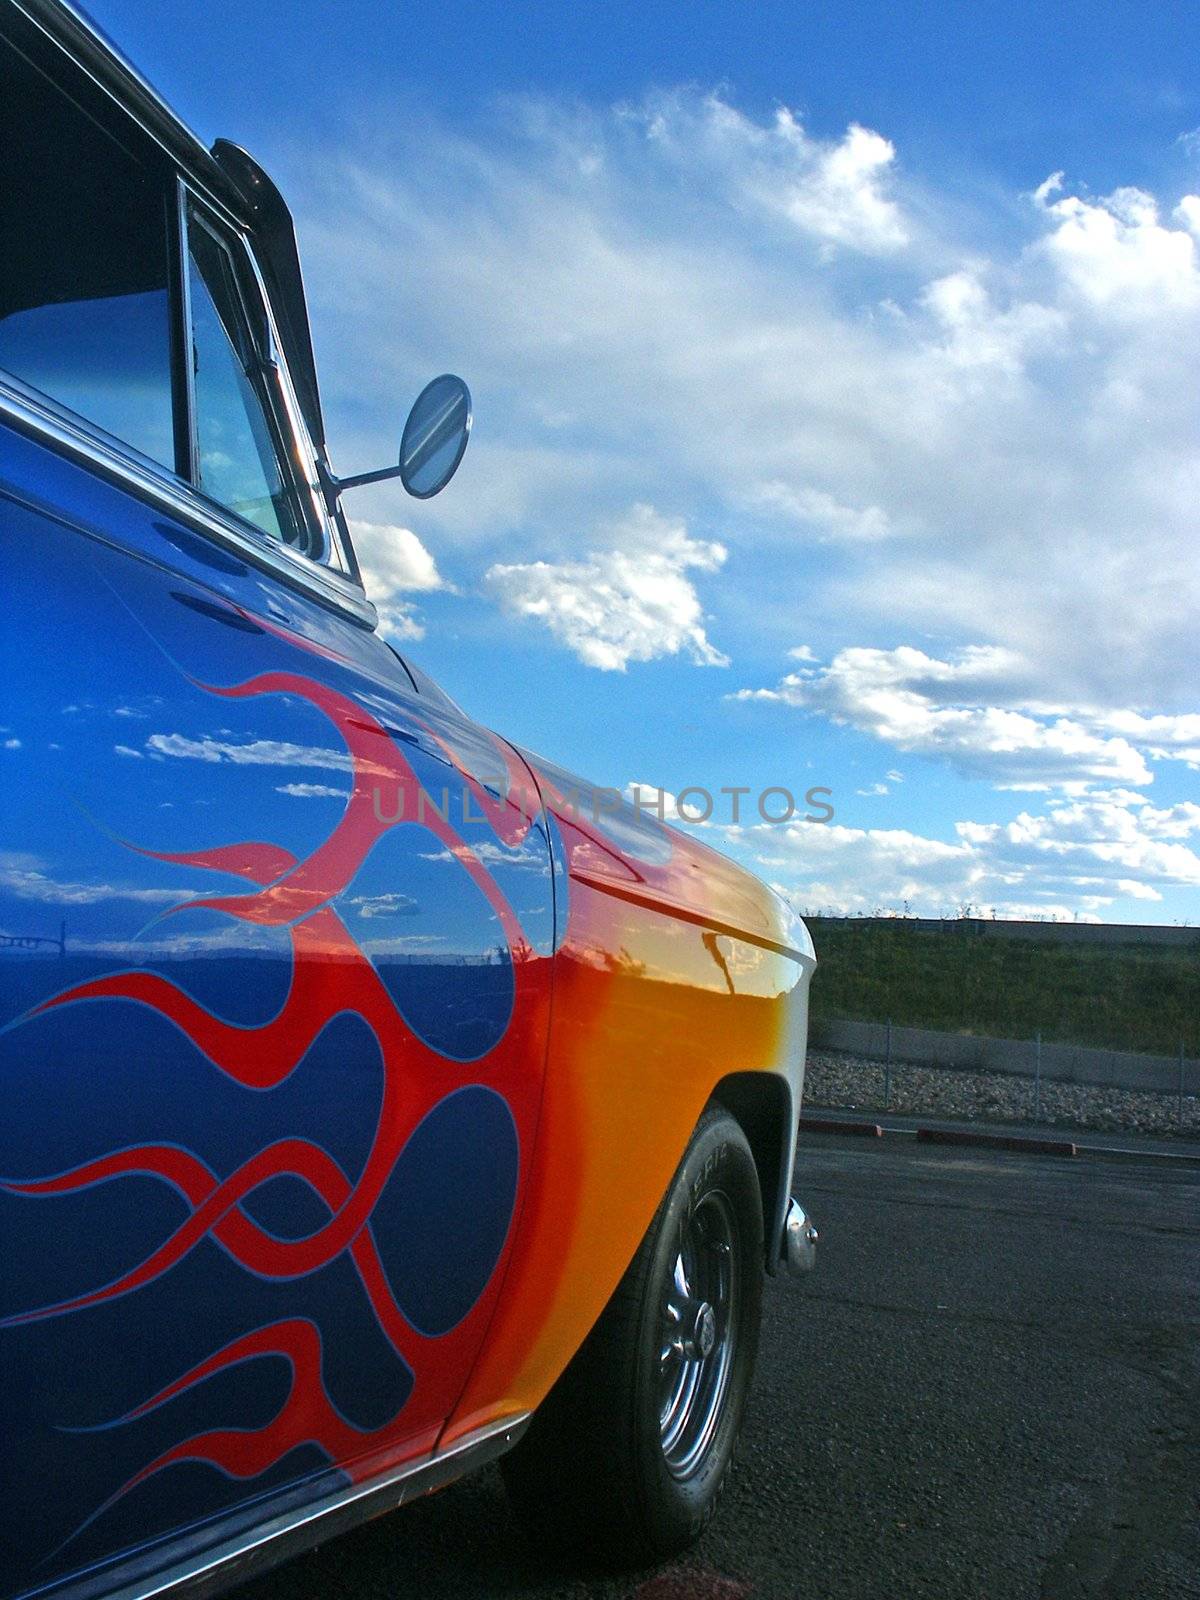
(274, 929)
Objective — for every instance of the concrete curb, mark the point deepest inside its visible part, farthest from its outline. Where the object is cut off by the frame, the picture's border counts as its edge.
(1085, 1144)
(866, 1130)
(997, 1141)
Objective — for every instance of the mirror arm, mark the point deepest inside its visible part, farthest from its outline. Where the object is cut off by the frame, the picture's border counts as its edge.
(332, 488)
(440, 420)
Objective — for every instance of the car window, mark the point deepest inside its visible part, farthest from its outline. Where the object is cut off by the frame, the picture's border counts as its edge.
(240, 462)
(84, 263)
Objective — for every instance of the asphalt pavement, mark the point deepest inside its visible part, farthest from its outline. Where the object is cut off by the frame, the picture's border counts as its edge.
(989, 1389)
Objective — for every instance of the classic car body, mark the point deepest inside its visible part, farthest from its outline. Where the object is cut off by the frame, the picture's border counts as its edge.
(346, 1051)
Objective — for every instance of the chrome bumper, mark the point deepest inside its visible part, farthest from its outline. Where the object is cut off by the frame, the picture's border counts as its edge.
(798, 1250)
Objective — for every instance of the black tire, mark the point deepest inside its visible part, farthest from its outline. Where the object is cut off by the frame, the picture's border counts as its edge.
(610, 1470)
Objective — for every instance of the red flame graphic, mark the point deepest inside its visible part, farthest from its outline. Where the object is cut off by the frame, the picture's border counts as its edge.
(330, 975)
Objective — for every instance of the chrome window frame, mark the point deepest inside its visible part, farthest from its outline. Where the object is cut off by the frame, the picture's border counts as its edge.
(284, 421)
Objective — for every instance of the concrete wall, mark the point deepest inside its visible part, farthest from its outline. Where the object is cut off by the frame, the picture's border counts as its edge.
(1066, 1063)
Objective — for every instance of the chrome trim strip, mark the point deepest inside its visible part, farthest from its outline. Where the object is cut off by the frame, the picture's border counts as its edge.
(256, 1550)
(309, 473)
(276, 398)
(46, 424)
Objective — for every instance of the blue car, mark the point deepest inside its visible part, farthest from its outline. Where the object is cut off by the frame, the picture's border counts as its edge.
(376, 1099)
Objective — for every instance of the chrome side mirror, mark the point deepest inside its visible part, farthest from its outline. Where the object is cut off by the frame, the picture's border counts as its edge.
(431, 446)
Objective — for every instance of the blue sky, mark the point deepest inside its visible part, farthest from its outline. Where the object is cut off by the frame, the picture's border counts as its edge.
(836, 419)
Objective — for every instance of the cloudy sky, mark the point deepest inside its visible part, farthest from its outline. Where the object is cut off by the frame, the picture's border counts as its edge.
(836, 403)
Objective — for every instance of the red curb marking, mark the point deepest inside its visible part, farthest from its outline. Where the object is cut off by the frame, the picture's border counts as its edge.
(868, 1130)
(997, 1141)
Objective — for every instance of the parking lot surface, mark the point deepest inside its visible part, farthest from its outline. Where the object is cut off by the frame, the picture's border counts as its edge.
(990, 1388)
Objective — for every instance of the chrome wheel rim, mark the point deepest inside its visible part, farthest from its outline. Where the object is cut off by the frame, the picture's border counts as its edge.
(698, 1333)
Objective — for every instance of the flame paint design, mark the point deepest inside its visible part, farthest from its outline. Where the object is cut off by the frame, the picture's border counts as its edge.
(247, 1453)
(331, 975)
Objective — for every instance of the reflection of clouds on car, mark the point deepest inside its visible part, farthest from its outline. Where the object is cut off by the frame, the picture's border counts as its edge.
(500, 855)
(28, 877)
(385, 905)
(311, 791)
(256, 753)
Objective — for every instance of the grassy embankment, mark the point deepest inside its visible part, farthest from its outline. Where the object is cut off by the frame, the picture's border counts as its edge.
(1117, 997)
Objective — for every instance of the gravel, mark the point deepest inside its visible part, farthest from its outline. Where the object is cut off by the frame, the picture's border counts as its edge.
(854, 1083)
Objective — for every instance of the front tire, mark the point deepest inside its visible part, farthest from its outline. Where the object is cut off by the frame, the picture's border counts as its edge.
(626, 1458)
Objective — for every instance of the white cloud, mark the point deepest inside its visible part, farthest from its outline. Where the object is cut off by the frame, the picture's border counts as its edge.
(1166, 738)
(824, 514)
(394, 562)
(652, 800)
(836, 191)
(630, 602)
(1078, 856)
(830, 867)
(977, 335)
(311, 791)
(842, 197)
(994, 425)
(1117, 254)
(909, 424)
(962, 712)
(1140, 848)
(700, 808)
